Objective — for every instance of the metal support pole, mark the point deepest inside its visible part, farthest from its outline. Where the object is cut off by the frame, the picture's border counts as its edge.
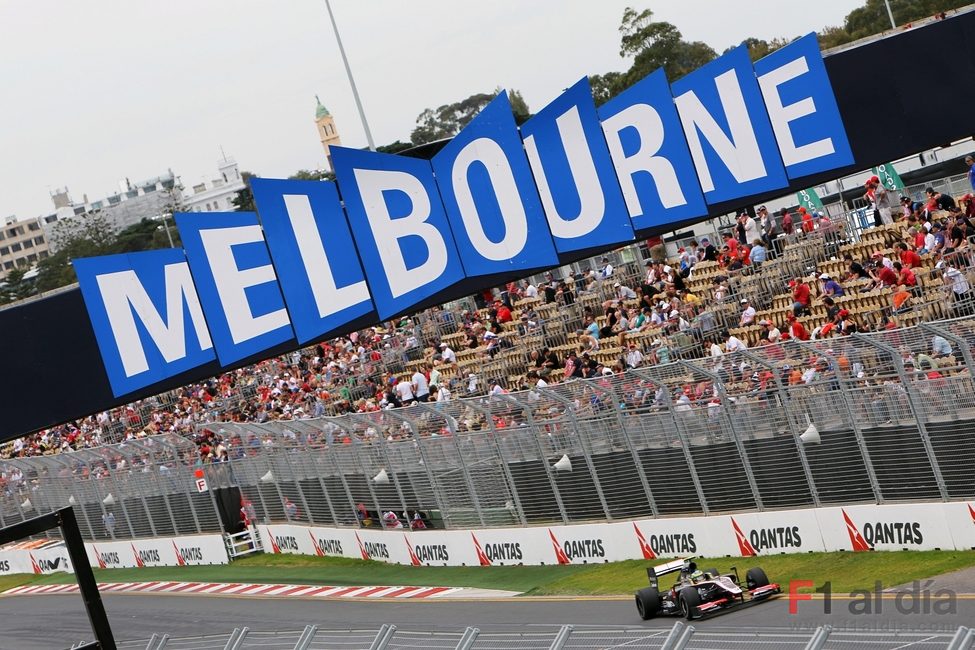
(561, 637)
(307, 636)
(382, 638)
(542, 457)
(916, 411)
(854, 421)
(673, 636)
(348, 71)
(685, 638)
(890, 14)
(800, 450)
(726, 414)
(819, 638)
(964, 639)
(236, 638)
(586, 450)
(467, 641)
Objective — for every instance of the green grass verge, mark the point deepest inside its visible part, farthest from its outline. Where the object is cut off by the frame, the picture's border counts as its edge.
(846, 571)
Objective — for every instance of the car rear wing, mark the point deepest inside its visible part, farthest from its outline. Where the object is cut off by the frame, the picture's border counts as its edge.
(673, 566)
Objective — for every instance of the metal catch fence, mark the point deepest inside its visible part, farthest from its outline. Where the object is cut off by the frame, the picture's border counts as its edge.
(868, 418)
(679, 637)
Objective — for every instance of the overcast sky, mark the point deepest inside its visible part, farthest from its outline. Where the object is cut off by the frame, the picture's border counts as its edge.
(96, 91)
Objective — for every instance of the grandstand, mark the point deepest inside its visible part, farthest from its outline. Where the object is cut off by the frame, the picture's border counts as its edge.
(685, 409)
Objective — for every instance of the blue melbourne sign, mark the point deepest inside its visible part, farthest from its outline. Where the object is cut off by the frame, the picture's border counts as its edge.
(396, 233)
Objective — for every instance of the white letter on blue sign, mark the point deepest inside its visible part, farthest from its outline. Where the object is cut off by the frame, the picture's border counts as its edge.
(802, 108)
(490, 196)
(652, 162)
(574, 173)
(238, 288)
(400, 228)
(727, 130)
(314, 255)
(146, 315)
(125, 299)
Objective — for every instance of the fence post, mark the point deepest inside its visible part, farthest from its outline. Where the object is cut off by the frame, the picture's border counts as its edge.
(586, 448)
(784, 396)
(819, 638)
(673, 636)
(561, 637)
(382, 637)
(467, 640)
(841, 381)
(963, 638)
(534, 432)
(726, 415)
(637, 464)
(916, 410)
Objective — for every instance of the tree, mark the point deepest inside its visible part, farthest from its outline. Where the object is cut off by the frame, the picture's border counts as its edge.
(652, 45)
(872, 17)
(14, 286)
(394, 147)
(759, 48)
(313, 175)
(141, 236)
(87, 235)
(447, 120)
(244, 199)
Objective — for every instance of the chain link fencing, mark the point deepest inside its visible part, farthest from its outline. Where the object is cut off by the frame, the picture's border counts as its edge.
(679, 637)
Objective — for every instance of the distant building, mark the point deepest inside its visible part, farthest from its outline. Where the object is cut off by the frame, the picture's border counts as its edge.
(215, 194)
(22, 244)
(327, 132)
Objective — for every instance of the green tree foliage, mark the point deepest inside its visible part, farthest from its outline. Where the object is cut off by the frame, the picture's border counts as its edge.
(312, 175)
(651, 45)
(244, 200)
(394, 147)
(446, 121)
(872, 17)
(14, 286)
(87, 235)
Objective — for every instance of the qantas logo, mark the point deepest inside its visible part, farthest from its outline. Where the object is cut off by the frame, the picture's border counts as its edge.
(414, 560)
(106, 560)
(148, 555)
(648, 553)
(33, 564)
(5, 566)
(744, 545)
(482, 558)
(188, 554)
(274, 544)
(856, 539)
(971, 511)
(99, 558)
(138, 560)
(362, 549)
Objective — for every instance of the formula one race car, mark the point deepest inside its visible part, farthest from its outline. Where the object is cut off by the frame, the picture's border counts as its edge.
(696, 592)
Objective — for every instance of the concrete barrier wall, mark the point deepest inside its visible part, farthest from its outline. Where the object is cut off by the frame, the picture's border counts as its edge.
(927, 526)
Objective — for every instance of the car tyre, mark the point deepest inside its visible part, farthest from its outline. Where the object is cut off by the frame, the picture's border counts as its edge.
(755, 578)
(647, 603)
(690, 600)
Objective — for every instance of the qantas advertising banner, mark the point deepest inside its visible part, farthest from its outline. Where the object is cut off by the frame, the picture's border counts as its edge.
(853, 528)
(35, 557)
(498, 202)
(191, 550)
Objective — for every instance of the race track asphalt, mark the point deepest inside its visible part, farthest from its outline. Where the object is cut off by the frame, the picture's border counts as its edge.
(43, 622)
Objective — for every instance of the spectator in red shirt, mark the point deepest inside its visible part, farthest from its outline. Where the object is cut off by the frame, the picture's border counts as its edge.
(807, 221)
(800, 297)
(883, 276)
(796, 329)
(909, 258)
(905, 275)
(786, 221)
(503, 313)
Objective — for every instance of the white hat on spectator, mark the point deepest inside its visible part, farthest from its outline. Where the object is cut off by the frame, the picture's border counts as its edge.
(744, 301)
(824, 276)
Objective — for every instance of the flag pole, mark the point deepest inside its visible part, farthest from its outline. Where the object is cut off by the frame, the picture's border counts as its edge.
(348, 71)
